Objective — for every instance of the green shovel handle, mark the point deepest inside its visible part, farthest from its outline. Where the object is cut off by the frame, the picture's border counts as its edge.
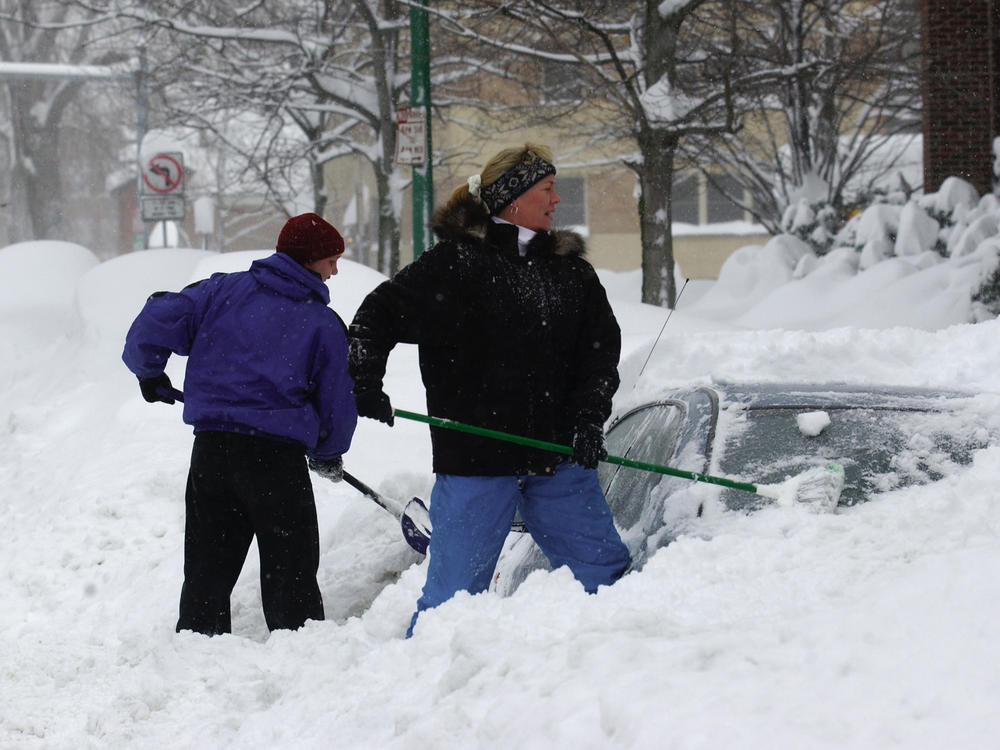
(452, 424)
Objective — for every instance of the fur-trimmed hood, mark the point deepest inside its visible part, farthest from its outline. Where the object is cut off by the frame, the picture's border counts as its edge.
(468, 221)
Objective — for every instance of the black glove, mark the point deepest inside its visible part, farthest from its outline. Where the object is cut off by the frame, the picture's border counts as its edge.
(588, 445)
(374, 404)
(157, 389)
(332, 468)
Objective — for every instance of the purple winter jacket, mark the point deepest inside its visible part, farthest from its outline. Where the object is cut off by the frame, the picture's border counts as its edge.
(266, 355)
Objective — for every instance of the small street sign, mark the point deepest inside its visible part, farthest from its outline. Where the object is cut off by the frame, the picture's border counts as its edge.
(162, 188)
(162, 207)
(411, 136)
(163, 174)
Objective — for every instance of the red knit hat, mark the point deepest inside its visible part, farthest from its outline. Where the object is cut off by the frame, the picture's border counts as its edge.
(307, 238)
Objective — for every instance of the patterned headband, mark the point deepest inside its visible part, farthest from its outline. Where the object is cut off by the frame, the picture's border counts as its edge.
(515, 182)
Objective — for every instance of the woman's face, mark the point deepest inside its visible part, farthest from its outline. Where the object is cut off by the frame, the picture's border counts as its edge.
(534, 206)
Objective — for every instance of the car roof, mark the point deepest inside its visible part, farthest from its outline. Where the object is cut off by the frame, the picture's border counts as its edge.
(708, 399)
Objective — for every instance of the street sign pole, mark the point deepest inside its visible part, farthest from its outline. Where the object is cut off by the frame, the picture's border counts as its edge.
(420, 98)
(142, 117)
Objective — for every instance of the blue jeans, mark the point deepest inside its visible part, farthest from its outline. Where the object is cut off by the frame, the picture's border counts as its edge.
(566, 514)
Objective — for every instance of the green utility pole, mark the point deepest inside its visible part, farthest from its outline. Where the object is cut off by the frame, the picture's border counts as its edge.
(420, 98)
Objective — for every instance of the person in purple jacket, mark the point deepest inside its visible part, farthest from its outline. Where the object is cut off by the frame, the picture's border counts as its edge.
(268, 393)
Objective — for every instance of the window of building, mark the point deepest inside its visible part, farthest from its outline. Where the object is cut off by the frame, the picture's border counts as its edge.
(720, 207)
(685, 199)
(572, 209)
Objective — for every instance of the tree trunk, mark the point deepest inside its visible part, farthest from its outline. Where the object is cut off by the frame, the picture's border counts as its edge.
(656, 217)
(385, 53)
(318, 175)
(45, 194)
(388, 220)
(35, 171)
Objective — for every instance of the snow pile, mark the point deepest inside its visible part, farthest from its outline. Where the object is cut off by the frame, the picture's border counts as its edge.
(37, 287)
(812, 423)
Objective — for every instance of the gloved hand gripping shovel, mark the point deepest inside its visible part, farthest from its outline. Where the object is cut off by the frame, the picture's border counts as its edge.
(413, 517)
(819, 487)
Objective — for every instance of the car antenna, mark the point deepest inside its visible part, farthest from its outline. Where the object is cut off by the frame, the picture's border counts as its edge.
(662, 328)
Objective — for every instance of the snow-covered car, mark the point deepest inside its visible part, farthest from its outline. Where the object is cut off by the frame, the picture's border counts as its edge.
(884, 438)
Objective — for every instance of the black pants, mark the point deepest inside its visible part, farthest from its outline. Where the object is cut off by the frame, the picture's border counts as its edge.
(240, 486)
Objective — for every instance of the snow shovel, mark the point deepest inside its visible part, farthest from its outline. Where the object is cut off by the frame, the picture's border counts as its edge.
(413, 518)
(819, 487)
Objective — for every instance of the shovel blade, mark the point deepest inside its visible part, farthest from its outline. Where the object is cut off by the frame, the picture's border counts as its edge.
(416, 524)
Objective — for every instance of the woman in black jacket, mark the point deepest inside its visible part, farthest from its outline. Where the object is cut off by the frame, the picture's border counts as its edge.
(514, 333)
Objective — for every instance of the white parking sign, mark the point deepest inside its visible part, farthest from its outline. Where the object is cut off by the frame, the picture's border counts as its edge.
(162, 187)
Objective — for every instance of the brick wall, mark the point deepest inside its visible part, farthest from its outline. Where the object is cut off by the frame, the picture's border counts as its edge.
(960, 97)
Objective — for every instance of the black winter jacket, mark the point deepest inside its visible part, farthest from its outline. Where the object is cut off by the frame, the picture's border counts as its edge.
(527, 345)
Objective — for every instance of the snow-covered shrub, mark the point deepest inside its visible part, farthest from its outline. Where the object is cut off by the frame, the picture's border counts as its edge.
(986, 299)
(816, 224)
(952, 221)
(949, 207)
(943, 247)
(988, 295)
(872, 232)
(918, 231)
(996, 164)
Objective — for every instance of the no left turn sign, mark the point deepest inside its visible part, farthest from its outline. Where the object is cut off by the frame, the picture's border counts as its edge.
(163, 174)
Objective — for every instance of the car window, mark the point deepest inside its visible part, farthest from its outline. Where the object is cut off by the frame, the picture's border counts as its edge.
(649, 434)
(879, 448)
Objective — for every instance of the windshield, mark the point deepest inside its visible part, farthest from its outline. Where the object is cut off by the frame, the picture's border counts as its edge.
(879, 448)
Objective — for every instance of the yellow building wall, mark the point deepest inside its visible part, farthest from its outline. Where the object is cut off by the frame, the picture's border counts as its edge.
(700, 256)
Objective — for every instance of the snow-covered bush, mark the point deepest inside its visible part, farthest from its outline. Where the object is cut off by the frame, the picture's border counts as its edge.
(987, 297)
(952, 222)
(815, 223)
(942, 248)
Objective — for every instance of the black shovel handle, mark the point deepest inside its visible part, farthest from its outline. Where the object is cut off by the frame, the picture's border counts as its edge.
(367, 491)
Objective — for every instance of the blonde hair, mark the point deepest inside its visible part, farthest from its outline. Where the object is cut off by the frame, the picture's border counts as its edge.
(499, 164)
